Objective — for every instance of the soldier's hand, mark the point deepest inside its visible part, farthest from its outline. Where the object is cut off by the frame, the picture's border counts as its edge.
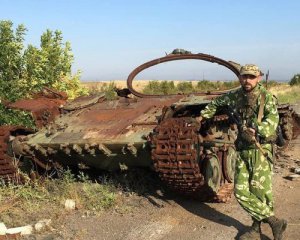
(251, 131)
(199, 119)
(248, 134)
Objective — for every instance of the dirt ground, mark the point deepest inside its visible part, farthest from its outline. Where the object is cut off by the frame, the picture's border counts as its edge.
(171, 217)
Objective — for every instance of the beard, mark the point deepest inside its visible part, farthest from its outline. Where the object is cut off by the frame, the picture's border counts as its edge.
(248, 87)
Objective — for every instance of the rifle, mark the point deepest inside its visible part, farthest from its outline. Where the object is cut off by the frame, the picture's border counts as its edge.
(267, 78)
(236, 118)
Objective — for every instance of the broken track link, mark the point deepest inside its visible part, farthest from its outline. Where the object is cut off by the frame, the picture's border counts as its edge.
(176, 156)
(9, 165)
(8, 168)
(288, 122)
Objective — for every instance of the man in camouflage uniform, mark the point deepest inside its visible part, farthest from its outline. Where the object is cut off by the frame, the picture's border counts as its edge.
(253, 174)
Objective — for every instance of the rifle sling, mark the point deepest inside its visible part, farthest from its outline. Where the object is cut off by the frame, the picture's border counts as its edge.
(261, 107)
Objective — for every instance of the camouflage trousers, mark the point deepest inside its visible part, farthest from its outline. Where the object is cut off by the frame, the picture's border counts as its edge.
(253, 183)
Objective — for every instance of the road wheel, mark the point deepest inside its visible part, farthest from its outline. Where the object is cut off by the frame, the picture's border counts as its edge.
(229, 164)
(212, 173)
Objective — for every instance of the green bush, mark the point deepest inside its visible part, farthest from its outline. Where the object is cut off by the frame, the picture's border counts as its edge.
(295, 80)
(185, 87)
(109, 90)
(168, 87)
(15, 117)
(271, 83)
(153, 87)
(161, 87)
(24, 71)
(33, 201)
(205, 85)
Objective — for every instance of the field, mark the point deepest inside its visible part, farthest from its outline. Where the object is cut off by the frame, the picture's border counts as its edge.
(286, 94)
(134, 204)
(283, 91)
(139, 85)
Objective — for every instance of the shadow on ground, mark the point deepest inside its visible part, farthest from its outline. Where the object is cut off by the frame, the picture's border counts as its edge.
(203, 210)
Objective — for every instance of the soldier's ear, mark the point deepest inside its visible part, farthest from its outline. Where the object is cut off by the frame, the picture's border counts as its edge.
(259, 78)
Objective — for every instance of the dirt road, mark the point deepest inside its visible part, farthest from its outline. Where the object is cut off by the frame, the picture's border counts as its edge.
(172, 218)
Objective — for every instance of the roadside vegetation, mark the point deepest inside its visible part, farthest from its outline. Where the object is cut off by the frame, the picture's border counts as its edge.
(285, 92)
(21, 204)
(107, 88)
(25, 70)
(183, 87)
(46, 197)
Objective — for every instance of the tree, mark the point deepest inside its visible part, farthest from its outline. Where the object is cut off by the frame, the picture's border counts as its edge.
(24, 71)
(51, 66)
(295, 80)
(11, 59)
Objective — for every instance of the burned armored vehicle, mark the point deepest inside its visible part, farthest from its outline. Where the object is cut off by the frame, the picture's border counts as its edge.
(135, 130)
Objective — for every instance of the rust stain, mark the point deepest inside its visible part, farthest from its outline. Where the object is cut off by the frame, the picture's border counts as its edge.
(44, 110)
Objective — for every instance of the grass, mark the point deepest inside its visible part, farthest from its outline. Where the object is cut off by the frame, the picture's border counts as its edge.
(161, 87)
(23, 204)
(286, 93)
(94, 193)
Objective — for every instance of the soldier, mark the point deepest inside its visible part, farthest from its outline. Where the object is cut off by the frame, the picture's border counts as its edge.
(253, 173)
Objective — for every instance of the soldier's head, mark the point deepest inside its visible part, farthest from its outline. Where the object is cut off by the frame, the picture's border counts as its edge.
(250, 75)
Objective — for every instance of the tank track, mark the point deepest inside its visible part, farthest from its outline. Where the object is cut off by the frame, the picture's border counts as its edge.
(286, 121)
(175, 151)
(8, 166)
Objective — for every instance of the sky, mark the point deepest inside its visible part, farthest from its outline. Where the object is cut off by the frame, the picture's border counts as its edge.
(110, 38)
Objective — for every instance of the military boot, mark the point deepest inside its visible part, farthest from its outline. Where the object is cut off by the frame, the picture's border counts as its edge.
(253, 233)
(278, 226)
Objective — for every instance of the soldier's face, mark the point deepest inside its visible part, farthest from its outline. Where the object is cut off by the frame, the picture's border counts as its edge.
(248, 82)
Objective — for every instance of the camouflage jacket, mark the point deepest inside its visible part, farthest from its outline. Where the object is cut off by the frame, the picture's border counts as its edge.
(247, 105)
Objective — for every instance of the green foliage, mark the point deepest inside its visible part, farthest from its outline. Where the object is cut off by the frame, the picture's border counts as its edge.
(24, 71)
(163, 87)
(71, 85)
(291, 96)
(11, 59)
(109, 90)
(168, 87)
(27, 70)
(295, 80)
(205, 85)
(15, 117)
(38, 200)
(185, 87)
(271, 83)
(230, 84)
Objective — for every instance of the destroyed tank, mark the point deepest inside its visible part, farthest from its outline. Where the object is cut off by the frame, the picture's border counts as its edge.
(135, 130)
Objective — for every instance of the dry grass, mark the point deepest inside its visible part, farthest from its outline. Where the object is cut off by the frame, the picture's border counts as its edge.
(138, 85)
(28, 203)
(286, 93)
